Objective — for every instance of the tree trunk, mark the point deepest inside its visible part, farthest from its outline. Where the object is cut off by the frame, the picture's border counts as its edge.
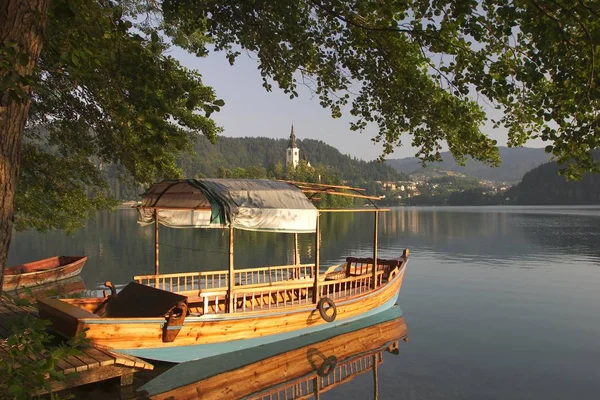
(22, 25)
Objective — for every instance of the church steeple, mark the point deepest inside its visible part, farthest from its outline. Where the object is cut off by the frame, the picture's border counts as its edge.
(292, 156)
(292, 139)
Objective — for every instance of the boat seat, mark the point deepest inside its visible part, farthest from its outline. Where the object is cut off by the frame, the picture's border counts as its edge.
(207, 296)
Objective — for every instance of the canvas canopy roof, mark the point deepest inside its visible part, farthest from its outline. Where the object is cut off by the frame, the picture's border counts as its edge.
(249, 204)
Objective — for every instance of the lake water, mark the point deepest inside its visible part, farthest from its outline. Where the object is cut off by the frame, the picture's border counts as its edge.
(499, 302)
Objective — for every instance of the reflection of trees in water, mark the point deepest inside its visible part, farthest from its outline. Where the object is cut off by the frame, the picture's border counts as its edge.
(116, 246)
(448, 231)
(443, 225)
(490, 234)
(575, 236)
(119, 248)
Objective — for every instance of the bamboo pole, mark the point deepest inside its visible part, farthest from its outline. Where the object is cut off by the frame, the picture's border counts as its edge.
(358, 196)
(375, 244)
(231, 284)
(332, 210)
(174, 208)
(317, 259)
(156, 259)
(324, 185)
(296, 250)
(375, 378)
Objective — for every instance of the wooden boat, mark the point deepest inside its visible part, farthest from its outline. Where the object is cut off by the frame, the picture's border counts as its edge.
(185, 316)
(290, 369)
(42, 272)
(63, 287)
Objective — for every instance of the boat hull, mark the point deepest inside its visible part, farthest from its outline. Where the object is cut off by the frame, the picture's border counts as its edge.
(283, 364)
(42, 272)
(209, 335)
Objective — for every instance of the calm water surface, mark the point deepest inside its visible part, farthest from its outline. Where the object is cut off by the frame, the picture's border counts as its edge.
(500, 302)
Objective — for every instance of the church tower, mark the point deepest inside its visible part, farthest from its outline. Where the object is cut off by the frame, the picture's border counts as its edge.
(293, 153)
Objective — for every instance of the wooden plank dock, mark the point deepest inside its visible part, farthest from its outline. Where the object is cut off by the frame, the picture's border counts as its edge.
(89, 366)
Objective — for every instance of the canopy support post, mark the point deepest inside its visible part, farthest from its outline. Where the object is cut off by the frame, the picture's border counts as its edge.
(156, 259)
(317, 259)
(296, 250)
(375, 244)
(375, 377)
(231, 284)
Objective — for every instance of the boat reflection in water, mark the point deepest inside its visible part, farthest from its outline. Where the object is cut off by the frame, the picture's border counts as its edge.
(301, 367)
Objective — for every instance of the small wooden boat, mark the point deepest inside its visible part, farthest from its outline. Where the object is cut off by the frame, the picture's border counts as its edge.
(42, 272)
(291, 369)
(186, 316)
(63, 287)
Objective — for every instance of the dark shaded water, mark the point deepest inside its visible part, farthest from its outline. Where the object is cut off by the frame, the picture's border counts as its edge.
(500, 302)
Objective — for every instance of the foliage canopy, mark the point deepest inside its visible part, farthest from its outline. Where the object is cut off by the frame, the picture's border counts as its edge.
(106, 90)
(425, 67)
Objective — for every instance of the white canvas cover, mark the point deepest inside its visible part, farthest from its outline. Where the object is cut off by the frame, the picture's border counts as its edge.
(249, 204)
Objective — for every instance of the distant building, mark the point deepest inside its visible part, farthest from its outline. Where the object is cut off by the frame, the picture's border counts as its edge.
(292, 155)
(389, 185)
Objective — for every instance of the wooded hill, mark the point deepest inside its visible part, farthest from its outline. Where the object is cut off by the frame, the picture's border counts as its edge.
(544, 186)
(265, 152)
(515, 163)
(262, 157)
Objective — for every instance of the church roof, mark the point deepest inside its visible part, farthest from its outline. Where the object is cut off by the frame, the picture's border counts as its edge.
(292, 139)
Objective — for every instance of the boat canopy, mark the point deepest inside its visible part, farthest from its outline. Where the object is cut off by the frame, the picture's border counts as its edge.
(248, 204)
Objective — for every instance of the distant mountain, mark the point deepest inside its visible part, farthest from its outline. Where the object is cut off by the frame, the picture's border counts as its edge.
(544, 186)
(266, 152)
(516, 162)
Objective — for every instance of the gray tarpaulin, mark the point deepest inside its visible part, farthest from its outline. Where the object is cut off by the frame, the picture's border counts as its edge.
(249, 204)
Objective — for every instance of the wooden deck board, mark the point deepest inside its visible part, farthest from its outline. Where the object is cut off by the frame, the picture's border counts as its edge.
(133, 361)
(104, 357)
(76, 365)
(91, 364)
(89, 361)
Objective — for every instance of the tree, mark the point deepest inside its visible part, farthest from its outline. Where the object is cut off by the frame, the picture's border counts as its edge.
(425, 67)
(105, 91)
(22, 27)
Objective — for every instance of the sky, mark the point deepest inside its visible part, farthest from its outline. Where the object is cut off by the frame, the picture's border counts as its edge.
(252, 111)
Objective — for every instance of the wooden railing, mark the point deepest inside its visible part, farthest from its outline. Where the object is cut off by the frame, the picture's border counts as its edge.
(183, 282)
(189, 281)
(348, 287)
(258, 289)
(270, 275)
